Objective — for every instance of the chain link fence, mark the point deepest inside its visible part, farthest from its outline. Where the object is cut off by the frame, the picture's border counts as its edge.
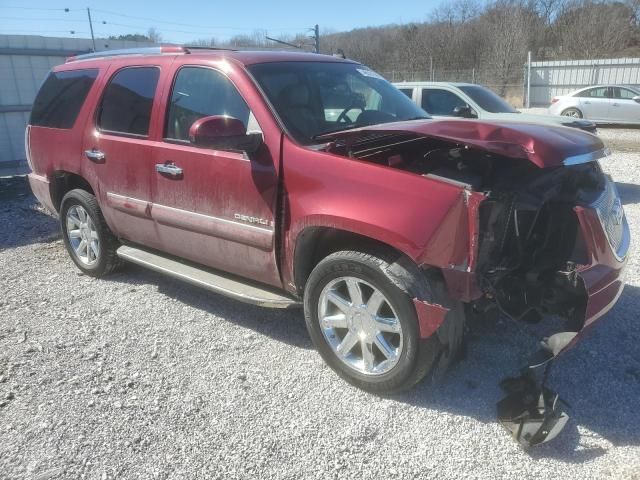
(512, 89)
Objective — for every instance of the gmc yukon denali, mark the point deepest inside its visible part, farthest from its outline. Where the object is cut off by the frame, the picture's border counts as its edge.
(286, 179)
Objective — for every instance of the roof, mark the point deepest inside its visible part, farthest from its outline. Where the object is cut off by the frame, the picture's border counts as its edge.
(246, 57)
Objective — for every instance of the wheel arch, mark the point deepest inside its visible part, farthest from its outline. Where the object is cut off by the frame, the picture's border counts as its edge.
(62, 182)
(317, 242)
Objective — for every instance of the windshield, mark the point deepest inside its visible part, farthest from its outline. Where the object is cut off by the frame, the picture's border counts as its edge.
(314, 98)
(487, 100)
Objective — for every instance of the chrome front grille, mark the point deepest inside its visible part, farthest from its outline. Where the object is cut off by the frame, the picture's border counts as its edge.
(613, 220)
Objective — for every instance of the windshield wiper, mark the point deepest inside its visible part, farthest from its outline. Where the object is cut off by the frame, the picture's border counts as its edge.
(354, 126)
(337, 130)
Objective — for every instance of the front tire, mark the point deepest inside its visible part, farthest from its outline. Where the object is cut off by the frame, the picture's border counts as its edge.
(572, 112)
(360, 315)
(89, 241)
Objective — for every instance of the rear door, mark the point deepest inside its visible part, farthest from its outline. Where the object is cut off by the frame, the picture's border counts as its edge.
(220, 209)
(595, 103)
(118, 147)
(623, 108)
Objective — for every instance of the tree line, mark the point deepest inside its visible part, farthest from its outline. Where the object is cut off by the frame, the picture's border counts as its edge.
(489, 37)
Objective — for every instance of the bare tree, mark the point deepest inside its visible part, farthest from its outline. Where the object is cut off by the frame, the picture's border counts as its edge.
(154, 35)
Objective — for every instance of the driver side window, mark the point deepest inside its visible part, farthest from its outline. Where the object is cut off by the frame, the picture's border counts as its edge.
(624, 94)
(440, 102)
(201, 92)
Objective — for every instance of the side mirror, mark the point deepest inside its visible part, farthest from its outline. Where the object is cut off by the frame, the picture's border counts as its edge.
(224, 133)
(464, 111)
(636, 99)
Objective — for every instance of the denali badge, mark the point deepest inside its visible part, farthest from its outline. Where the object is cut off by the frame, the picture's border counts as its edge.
(250, 219)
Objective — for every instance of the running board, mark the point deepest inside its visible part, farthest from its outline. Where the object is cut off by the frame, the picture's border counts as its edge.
(205, 278)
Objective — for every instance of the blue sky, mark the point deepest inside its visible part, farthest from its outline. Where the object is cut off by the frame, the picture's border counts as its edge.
(182, 21)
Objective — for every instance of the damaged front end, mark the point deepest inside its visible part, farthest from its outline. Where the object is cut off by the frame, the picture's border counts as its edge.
(540, 230)
(543, 252)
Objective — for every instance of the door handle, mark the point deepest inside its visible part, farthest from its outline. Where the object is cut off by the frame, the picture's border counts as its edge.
(588, 103)
(95, 155)
(615, 104)
(169, 169)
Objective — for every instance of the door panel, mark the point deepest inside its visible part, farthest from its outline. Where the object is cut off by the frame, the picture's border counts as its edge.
(119, 150)
(220, 210)
(595, 103)
(623, 107)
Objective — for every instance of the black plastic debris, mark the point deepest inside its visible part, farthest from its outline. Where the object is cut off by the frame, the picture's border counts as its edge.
(531, 412)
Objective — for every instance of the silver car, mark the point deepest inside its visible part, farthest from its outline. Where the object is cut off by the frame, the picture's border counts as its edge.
(600, 103)
(468, 100)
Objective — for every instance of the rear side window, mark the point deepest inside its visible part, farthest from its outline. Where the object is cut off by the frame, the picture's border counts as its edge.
(127, 101)
(601, 92)
(407, 91)
(61, 97)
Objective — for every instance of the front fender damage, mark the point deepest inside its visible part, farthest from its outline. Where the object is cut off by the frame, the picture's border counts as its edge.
(514, 242)
(430, 317)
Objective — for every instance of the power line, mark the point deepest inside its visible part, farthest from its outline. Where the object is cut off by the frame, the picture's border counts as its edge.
(38, 8)
(21, 30)
(46, 19)
(217, 27)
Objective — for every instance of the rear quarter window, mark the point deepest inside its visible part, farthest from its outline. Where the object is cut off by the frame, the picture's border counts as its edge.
(61, 97)
(127, 101)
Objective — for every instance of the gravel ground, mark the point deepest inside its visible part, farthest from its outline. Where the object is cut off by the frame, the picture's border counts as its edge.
(141, 376)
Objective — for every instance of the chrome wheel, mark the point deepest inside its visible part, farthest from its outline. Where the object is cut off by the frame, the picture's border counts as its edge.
(83, 236)
(360, 325)
(573, 113)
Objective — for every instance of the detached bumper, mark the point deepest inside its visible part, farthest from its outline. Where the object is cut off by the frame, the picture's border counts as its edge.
(41, 188)
(603, 278)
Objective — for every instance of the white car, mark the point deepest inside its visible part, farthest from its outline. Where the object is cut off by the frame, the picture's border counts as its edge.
(600, 103)
(467, 100)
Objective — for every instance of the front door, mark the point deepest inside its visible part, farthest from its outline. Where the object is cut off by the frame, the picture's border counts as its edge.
(210, 206)
(624, 108)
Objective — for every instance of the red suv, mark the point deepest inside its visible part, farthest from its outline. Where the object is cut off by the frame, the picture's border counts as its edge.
(286, 178)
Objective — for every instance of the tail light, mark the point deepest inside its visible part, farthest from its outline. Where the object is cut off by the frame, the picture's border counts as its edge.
(554, 100)
(27, 146)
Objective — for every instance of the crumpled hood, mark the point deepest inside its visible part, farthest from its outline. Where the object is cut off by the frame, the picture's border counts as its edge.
(544, 145)
(540, 118)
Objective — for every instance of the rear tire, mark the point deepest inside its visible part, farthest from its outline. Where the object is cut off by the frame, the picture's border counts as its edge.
(89, 241)
(408, 358)
(572, 112)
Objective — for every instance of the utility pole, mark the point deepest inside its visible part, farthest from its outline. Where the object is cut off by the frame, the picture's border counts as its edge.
(316, 32)
(528, 79)
(93, 40)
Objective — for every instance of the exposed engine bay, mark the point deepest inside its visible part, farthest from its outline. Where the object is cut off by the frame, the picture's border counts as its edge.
(529, 242)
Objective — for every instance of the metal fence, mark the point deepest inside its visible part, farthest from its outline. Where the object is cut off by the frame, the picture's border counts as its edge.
(25, 60)
(548, 79)
(512, 89)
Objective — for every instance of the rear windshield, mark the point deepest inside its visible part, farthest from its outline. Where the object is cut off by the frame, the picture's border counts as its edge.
(487, 100)
(61, 97)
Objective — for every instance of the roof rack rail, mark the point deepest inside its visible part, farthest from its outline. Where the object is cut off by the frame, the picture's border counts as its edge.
(129, 51)
(199, 47)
